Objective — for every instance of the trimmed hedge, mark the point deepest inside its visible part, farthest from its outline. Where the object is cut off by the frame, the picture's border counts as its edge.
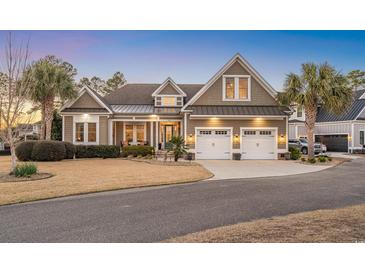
(70, 150)
(137, 151)
(49, 151)
(294, 153)
(23, 150)
(97, 151)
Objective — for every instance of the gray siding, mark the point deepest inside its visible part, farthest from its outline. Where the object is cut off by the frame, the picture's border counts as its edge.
(213, 96)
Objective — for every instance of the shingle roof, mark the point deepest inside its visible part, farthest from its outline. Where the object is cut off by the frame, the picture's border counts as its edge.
(141, 94)
(353, 111)
(238, 110)
(143, 109)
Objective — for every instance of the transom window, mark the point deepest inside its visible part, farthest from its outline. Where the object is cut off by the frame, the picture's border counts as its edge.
(237, 88)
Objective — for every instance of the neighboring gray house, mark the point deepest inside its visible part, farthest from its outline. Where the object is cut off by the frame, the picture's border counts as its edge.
(234, 112)
(344, 132)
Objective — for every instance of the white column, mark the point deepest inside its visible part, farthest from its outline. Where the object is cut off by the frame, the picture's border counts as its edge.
(110, 132)
(156, 145)
(151, 133)
(63, 128)
(185, 125)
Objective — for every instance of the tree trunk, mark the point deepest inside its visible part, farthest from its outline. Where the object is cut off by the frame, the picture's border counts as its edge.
(48, 115)
(310, 120)
(12, 150)
(43, 123)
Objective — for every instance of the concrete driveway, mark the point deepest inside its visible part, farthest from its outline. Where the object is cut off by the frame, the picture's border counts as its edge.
(229, 169)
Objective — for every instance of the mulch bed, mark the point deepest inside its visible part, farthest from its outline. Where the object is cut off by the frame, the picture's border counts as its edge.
(164, 163)
(6, 178)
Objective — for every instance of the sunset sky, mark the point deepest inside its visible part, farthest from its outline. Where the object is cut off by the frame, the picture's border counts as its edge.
(194, 56)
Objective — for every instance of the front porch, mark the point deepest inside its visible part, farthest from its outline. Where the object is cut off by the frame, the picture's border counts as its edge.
(137, 132)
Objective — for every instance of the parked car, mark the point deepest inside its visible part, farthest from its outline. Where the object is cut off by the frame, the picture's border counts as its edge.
(302, 144)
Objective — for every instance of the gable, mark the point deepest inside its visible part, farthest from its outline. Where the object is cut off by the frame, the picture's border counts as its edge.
(169, 90)
(214, 94)
(85, 101)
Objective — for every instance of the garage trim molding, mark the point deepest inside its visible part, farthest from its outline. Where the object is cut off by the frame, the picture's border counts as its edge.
(262, 128)
(212, 128)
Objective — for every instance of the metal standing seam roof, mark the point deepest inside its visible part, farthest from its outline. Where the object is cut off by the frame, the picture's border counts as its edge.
(238, 110)
(352, 112)
(86, 110)
(143, 109)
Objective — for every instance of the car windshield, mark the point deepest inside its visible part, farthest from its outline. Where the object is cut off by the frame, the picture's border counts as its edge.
(303, 140)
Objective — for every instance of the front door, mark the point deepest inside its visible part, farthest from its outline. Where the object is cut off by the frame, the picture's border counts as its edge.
(168, 133)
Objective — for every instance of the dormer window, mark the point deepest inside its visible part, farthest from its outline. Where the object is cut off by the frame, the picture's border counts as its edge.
(168, 101)
(236, 88)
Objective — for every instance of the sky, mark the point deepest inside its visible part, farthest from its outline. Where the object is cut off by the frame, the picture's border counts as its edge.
(194, 56)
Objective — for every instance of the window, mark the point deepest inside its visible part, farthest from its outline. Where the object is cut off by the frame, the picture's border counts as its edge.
(158, 101)
(362, 137)
(129, 133)
(236, 88)
(221, 132)
(79, 132)
(229, 88)
(249, 132)
(134, 133)
(265, 132)
(140, 133)
(205, 132)
(299, 112)
(243, 88)
(91, 132)
(168, 101)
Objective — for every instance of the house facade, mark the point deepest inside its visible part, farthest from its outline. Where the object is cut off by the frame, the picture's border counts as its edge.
(234, 112)
(344, 132)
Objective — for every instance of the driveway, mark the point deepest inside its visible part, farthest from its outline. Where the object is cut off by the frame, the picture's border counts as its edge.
(158, 213)
(229, 169)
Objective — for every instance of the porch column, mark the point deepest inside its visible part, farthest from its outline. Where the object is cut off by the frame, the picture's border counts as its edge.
(110, 132)
(156, 142)
(151, 133)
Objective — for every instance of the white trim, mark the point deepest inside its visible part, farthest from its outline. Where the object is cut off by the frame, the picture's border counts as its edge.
(91, 93)
(236, 88)
(185, 126)
(78, 119)
(213, 128)
(151, 133)
(276, 129)
(156, 135)
(352, 135)
(361, 110)
(63, 128)
(246, 65)
(362, 96)
(134, 129)
(287, 133)
(164, 84)
(237, 116)
(110, 132)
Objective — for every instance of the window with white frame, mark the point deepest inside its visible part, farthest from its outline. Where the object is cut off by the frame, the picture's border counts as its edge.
(135, 133)
(168, 101)
(299, 111)
(236, 87)
(362, 136)
(85, 132)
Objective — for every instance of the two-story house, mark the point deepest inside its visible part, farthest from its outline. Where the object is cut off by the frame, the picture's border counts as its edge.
(234, 112)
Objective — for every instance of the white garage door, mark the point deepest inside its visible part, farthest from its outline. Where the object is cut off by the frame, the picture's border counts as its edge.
(213, 144)
(258, 144)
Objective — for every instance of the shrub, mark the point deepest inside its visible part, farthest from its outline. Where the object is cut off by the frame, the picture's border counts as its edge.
(23, 150)
(49, 151)
(25, 170)
(303, 159)
(70, 150)
(312, 161)
(322, 159)
(329, 159)
(294, 153)
(97, 151)
(137, 150)
(178, 147)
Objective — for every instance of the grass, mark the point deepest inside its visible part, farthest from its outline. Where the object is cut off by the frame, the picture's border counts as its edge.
(93, 175)
(337, 225)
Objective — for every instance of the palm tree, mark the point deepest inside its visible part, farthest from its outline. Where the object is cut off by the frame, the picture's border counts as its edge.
(177, 146)
(317, 85)
(51, 78)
